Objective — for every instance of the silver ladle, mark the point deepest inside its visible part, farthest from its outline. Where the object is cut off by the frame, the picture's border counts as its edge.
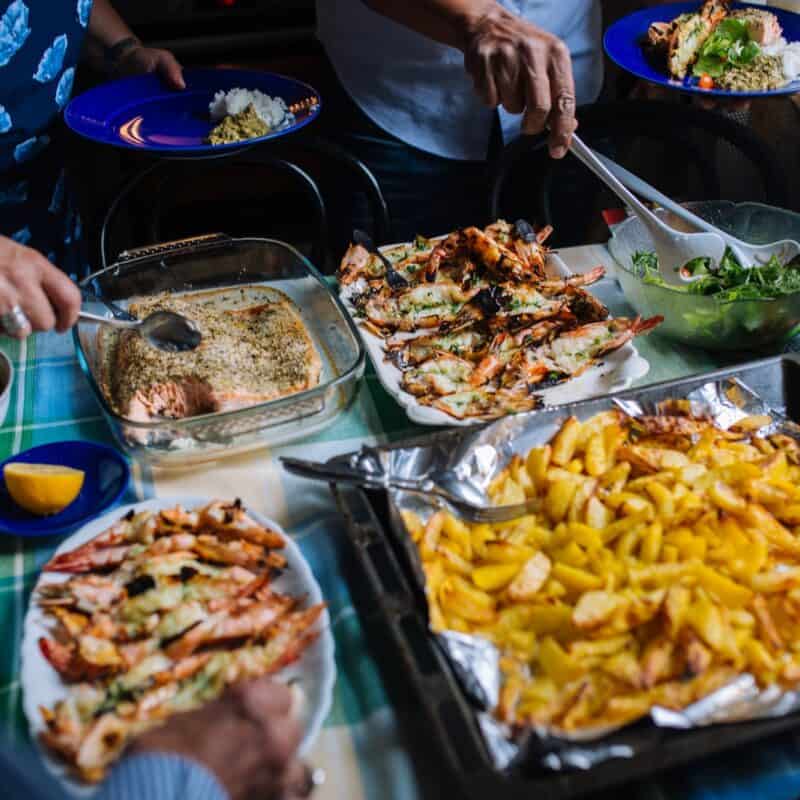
(164, 330)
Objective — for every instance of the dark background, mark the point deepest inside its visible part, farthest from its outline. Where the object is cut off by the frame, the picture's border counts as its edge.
(279, 35)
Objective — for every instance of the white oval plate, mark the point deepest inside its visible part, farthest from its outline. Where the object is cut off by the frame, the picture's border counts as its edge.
(314, 673)
(617, 370)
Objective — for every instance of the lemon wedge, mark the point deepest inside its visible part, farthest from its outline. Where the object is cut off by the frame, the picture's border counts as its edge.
(42, 489)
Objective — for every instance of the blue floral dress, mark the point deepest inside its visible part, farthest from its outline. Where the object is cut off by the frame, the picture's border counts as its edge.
(40, 43)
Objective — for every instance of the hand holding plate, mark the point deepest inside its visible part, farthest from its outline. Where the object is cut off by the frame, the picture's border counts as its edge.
(140, 60)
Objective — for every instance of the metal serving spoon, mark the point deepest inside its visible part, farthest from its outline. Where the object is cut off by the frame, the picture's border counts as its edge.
(164, 330)
(673, 248)
(748, 255)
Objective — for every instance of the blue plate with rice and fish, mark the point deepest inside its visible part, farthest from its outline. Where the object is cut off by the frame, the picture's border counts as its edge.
(624, 42)
(142, 113)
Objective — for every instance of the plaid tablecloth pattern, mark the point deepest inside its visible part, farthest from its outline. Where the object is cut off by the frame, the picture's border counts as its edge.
(361, 746)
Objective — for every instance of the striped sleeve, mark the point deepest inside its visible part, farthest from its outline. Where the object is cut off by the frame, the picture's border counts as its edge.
(163, 776)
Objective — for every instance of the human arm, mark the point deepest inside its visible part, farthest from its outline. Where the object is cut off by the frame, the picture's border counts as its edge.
(147, 776)
(107, 30)
(512, 62)
(47, 297)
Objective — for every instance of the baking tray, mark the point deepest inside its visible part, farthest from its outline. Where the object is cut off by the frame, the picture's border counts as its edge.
(211, 262)
(394, 599)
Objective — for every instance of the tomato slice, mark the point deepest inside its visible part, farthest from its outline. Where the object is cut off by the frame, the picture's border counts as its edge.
(706, 81)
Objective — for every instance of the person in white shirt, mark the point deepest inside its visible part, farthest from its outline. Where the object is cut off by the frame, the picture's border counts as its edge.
(422, 75)
(420, 82)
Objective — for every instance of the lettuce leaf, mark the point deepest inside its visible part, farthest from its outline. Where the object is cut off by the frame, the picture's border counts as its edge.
(729, 45)
(730, 280)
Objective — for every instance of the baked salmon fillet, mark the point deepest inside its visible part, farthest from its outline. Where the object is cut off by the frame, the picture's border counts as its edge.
(250, 353)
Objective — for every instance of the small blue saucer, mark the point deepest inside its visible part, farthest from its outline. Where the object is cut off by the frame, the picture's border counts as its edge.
(107, 477)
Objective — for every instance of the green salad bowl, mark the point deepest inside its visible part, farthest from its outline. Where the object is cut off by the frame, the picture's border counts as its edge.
(704, 320)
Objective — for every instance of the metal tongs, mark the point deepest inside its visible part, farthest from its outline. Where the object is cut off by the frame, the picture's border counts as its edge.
(365, 469)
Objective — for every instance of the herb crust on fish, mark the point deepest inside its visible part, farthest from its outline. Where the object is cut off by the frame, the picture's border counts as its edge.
(252, 352)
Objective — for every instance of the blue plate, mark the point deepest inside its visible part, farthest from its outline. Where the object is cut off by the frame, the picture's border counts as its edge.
(623, 43)
(107, 476)
(142, 114)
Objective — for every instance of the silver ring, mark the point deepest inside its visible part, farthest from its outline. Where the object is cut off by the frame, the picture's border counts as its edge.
(312, 777)
(566, 103)
(15, 321)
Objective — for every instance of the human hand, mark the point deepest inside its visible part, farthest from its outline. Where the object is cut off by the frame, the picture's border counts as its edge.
(43, 293)
(247, 738)
(525, 69)
(140, 60)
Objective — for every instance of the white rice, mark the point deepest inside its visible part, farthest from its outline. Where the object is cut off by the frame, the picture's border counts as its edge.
(272, 110)
(791, 61)
(774, 49)
(789, 54)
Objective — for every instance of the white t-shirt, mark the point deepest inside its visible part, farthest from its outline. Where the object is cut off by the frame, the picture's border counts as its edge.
(418, 89)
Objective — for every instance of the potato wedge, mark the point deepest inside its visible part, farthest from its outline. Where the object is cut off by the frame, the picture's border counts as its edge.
(663, 560)
(530, 579)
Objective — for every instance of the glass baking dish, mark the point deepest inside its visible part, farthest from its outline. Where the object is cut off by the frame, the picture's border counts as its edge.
(213, 262)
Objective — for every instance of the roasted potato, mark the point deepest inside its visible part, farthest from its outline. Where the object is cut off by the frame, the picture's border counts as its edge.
(664, 560)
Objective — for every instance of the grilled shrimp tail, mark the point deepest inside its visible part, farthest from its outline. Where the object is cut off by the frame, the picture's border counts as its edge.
(644, 325)
(87, 559)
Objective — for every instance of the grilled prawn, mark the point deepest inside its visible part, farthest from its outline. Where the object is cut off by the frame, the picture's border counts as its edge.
(573, 352)
(440, 375)
(690, 33)
(469, 343)
(483, 403)
(521, 239)
(90, 728)
(518, 305)
(86, 593)
(423, 306)
(358, 262)
(506, 344)
(407, 264)
(147, 535)
(497, 261)
(132, 529)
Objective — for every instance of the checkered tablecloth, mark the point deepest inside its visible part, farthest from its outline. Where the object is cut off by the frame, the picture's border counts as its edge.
(361, 746)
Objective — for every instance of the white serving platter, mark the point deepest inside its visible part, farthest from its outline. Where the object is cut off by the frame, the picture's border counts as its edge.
(617, 371)
(314, 674)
